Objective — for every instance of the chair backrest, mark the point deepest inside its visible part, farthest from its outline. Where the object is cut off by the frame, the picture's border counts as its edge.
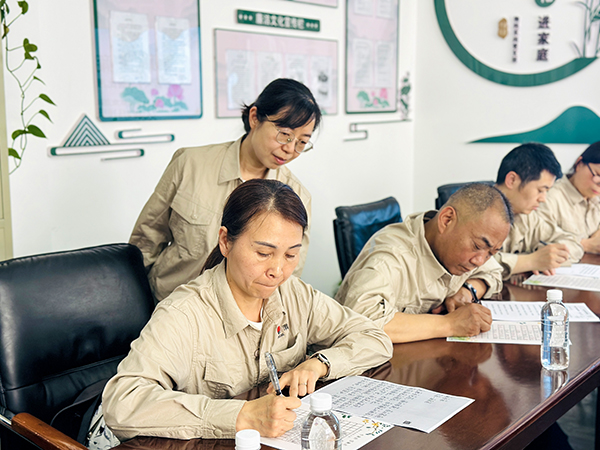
(356, 224)
(446, 190)
(66, 321)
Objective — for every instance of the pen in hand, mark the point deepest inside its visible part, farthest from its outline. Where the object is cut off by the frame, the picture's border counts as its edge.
(273, 373)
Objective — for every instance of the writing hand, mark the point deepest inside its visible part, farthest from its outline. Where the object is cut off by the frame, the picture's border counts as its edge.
(271, 415)
(470, 320)
(303, 378)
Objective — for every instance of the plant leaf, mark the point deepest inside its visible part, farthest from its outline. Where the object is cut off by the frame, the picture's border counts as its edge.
(5, 31)
(35, 131)
(30, 47)
(17, 133)
(12, 152)
(47, 99)
(25, 42)
(45, 114)
(27, 55)
(37, 79)
(24, 6)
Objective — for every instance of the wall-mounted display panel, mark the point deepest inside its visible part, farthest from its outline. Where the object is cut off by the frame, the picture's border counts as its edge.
(247, 62)
(371, 56)
(148, 59)
(332, 3)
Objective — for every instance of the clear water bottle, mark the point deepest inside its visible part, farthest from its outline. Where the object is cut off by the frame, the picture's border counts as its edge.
(555, 332)
(321, 429)
(247, 440)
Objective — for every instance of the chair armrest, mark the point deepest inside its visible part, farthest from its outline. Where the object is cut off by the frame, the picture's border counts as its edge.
(42, 434)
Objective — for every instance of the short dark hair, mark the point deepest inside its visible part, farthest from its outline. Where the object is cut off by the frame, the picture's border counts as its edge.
(290, 100)
(476, 198)
(590, 155)
(249, 200)
(529, 161)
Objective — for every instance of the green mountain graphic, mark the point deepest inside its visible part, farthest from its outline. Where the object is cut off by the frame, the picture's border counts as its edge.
(577, 125)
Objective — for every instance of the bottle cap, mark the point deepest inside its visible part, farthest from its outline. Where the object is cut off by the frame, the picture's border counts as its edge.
(554, 295)
(247, 440)
(320, 402)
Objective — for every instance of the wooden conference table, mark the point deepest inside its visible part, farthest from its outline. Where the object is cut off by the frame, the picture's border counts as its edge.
(513, 405)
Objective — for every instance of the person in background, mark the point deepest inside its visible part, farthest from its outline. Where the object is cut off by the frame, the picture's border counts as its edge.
(433, 261)
(178, 226)
(206, 342)
(573, 203)
(525, 176)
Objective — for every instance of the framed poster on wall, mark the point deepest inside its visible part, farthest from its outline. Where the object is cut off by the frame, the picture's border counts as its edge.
(371, 56)
(247, 62)
(148, 59)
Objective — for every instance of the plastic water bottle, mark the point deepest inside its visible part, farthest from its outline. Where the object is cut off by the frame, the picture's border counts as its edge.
(555, 332)
(247, 440)
(321, 429)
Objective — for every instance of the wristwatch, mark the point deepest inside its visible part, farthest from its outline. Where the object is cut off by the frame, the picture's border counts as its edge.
(324, 360)
(472, 290)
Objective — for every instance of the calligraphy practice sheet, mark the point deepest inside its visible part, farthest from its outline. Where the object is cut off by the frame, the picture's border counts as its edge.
(356, 431)
(405, 406)
(531, 311)
(507, 333)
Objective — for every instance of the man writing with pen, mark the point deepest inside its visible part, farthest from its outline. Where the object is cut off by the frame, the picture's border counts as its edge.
(525, 176)
(436, 261)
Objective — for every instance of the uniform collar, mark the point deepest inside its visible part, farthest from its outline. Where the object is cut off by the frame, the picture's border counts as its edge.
(230, 167)
(433, 265)
(233, 319)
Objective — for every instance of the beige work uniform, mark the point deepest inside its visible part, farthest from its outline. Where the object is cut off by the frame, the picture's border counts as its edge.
(179, 225)
(570, 210)
(396, 271)
(526, 235)
(198, 350)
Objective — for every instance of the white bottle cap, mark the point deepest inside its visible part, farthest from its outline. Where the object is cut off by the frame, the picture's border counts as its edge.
(554, 295)
(320, 402)
(247, 440)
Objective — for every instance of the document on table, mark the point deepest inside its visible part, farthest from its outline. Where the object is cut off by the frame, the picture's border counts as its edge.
(565, 281)
(580, 270)
(405, 406)
(531, 311)
(507, 333)
(356, 431)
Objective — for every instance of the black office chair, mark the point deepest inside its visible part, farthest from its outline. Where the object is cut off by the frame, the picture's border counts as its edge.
(356, 224)
(446, 190)
(66, 321)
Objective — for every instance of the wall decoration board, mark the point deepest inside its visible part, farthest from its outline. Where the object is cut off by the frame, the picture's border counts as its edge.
(148, 59)
(371, 55)
(247, 62)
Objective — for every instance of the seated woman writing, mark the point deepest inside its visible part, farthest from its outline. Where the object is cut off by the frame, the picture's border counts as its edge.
(206, 342)
(574, 202)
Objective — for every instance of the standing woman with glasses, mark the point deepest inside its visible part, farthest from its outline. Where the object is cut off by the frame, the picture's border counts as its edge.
(178, 227)
(574, 203)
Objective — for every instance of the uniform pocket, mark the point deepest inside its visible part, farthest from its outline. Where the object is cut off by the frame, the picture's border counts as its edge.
(287, 359)
(222, 379)
(189, 223)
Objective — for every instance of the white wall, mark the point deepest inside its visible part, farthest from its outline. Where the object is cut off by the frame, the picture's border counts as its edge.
(454, 106)
(71, 202)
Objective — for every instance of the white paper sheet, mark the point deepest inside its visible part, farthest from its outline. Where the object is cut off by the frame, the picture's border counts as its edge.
(405, 406)
(507, 333)
(580, 270)
(531, 311)
(565, 281)
(356, 431)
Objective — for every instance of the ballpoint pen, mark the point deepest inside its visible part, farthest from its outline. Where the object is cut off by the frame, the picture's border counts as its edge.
(273, 373)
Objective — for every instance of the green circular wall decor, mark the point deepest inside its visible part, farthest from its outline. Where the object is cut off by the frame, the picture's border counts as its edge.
(497, 76)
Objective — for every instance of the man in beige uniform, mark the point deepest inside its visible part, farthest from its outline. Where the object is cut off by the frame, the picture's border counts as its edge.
(525, 176)
(199, 350)
(178, 227)
(432, 260)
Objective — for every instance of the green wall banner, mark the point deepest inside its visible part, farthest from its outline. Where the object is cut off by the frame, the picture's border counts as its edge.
(277, 21)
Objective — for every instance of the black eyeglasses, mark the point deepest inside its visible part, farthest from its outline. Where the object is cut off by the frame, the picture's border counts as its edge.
(595, 176)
